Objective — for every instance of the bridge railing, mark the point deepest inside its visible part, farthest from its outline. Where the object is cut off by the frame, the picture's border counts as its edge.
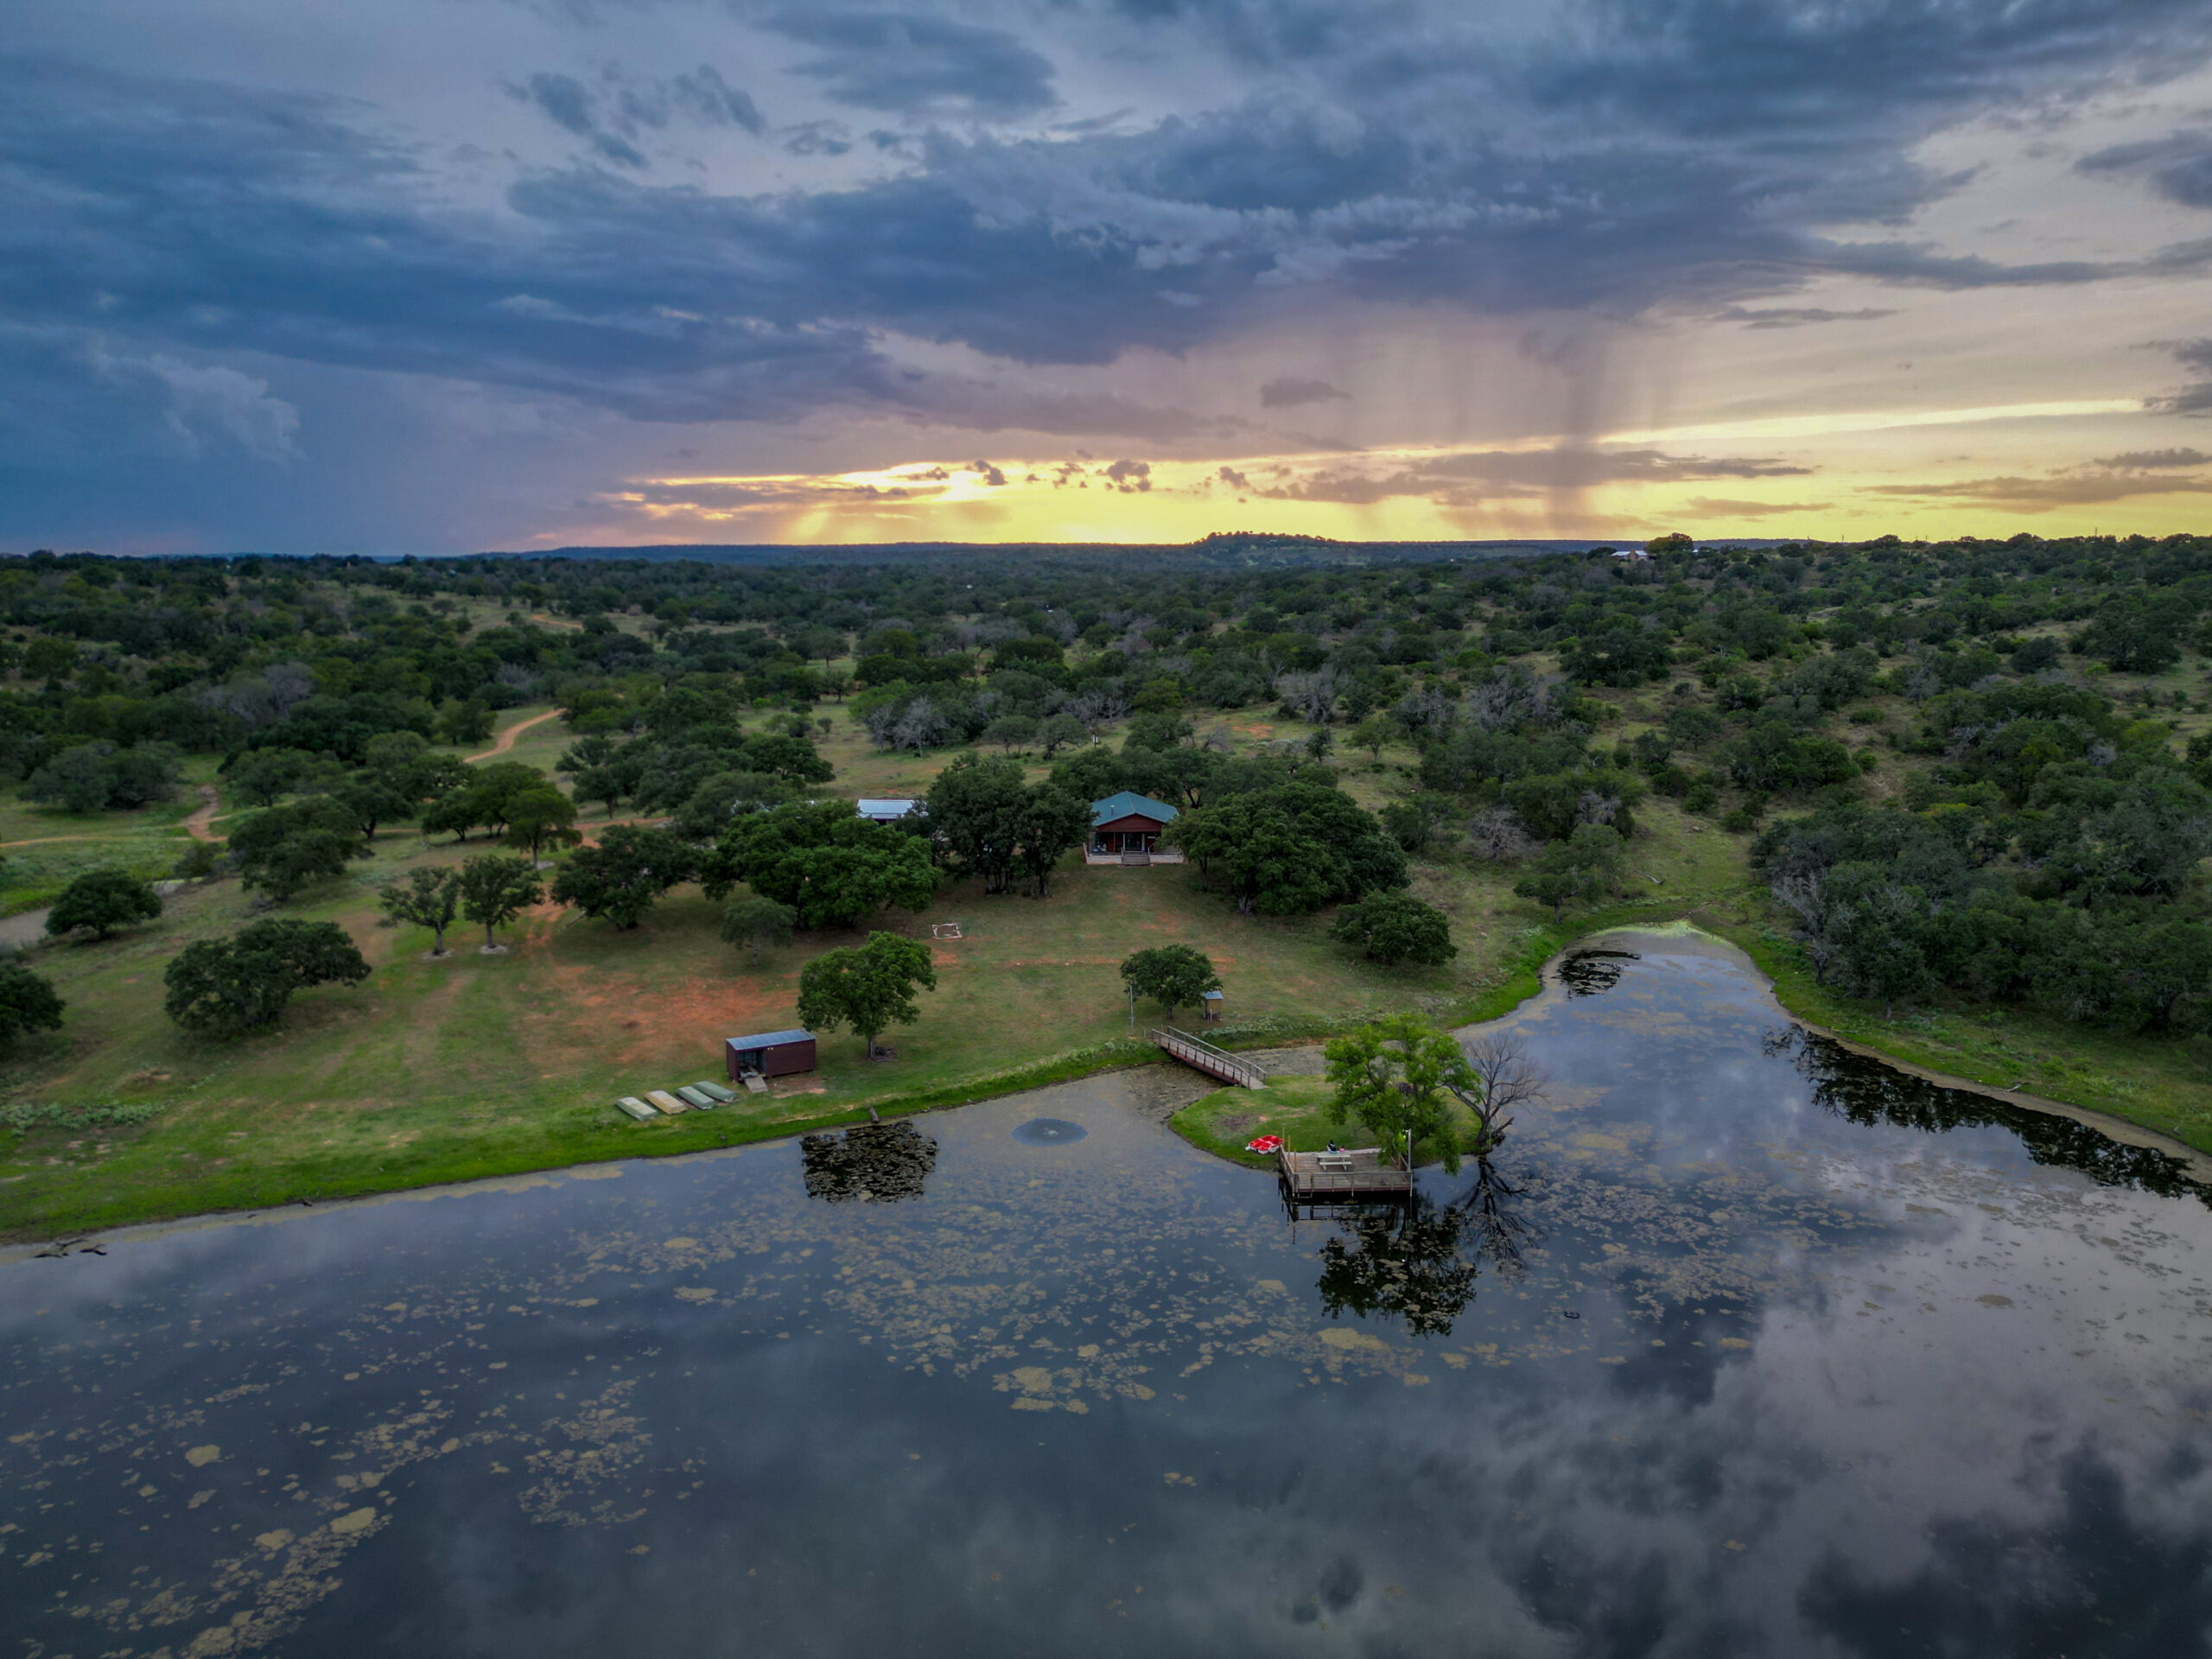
(1197, 1052)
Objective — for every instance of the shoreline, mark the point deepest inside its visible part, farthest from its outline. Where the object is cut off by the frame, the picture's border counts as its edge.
(1525, 977)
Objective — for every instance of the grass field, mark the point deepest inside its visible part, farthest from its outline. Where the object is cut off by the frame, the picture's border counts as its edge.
(475, 1066)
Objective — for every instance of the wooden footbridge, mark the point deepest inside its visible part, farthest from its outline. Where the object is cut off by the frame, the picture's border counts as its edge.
(1202, 1056)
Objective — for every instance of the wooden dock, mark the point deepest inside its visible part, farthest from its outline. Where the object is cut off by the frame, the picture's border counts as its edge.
(1202, 1056)
(1325, 1177)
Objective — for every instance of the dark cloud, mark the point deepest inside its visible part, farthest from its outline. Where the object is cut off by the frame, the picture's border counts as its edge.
(1470, 477)
(621, 109)
(2195, 398)
(1722, 506)
(1658, 154)
(817, 138)
(1795, 316)
(2178, 166)
(911, 64)
(2045, 494)
(1289, 391)
(2152, 460)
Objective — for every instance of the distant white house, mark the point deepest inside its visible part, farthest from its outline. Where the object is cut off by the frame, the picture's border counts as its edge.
(888, 811)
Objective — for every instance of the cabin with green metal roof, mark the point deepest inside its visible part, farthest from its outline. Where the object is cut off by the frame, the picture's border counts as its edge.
(1125, 829)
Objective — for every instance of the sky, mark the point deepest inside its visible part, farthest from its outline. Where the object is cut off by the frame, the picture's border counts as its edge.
(444, 275)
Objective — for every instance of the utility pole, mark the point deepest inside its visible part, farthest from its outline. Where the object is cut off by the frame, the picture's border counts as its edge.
(1133, 1008)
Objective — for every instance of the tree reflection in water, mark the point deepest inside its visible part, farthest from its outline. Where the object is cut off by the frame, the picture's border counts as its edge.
(872, 1162)
(1418, 1261)
(1867, 1091)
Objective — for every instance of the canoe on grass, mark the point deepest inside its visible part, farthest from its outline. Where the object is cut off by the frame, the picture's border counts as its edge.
(700, 1099)
(636, 1107)
(714, 1092)
(667, 1102)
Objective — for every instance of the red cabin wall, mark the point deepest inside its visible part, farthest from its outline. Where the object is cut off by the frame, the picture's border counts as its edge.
(782, 1061)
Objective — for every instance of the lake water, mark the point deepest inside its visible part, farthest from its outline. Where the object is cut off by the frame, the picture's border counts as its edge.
(1742, 1348)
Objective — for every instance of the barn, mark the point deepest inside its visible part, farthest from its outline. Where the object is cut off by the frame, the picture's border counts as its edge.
(770, 1054)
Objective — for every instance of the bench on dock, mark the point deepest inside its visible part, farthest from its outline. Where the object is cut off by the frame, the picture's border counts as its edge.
(1202, 1056)
(1359, 1173)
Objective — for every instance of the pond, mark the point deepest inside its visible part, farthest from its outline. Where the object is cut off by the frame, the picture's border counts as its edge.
(1741, 1346)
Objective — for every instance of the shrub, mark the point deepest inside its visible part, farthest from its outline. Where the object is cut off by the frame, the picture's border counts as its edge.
(102, 901)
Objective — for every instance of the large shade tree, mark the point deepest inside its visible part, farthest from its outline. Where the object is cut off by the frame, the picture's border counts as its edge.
(223, 987)
(624, 876)
(1395, 1075)
(869, 989)
(1173, 975)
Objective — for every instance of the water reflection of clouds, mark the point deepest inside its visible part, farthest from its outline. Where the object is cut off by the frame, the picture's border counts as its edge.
(1829, 1373)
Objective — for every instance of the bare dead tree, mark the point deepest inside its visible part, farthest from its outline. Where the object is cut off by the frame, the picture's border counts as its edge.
(1505, 1077)
(1499, 835)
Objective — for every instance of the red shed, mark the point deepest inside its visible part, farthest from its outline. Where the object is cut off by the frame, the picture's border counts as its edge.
(771, 1053)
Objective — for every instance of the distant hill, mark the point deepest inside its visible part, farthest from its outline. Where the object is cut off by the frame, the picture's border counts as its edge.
(1223, 550)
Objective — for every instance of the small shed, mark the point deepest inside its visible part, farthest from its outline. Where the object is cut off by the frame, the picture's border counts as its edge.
(1209, 1005)
(889, 810)
(770, 1053)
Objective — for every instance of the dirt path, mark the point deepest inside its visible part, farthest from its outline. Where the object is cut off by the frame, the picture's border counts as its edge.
(508, 737)
(196, 825)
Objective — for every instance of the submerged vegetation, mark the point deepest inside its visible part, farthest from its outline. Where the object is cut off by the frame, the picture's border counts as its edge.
(1958, 796)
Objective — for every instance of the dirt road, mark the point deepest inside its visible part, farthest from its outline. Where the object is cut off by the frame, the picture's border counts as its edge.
(508, 737)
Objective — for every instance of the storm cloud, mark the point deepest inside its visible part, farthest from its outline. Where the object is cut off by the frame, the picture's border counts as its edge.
(626, 244)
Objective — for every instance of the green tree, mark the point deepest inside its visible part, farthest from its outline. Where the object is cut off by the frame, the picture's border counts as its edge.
(541, 817)
(1060, 732)
(495, 889)
(100, 777)
(265, 777)
(1290, 849)
(1417, 820)
(102, 901)
(371, 801)
(426, 898)
(1371, 735)
(1173, 975)
(1011, 732)
(484, 800)
(1393, 927)
(50, 659)
(222, 987)
(829, 864)
(869, 988)
(27, 1003)
(281, 850)
(1053, 822)
(405, 763)
(624, 876)
(755, 920)
(1585, 866)
(976, 813)
(1393, 1075)
(464, 721)
(1874, 923)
